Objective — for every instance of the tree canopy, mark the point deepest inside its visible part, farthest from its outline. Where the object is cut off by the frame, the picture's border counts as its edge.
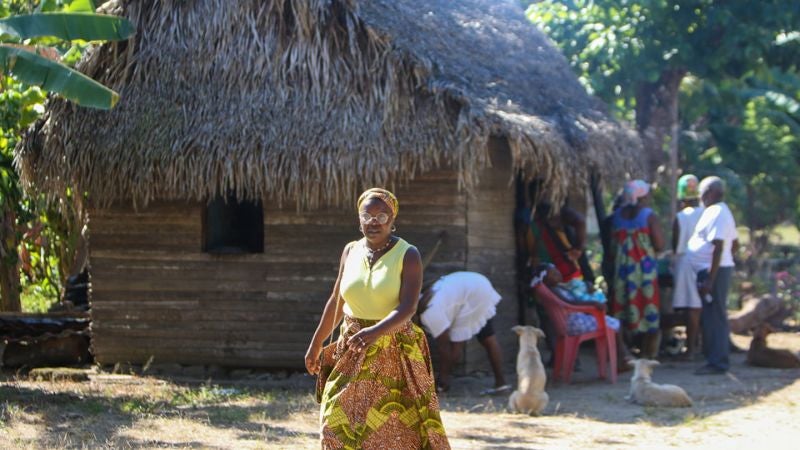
(727, 68)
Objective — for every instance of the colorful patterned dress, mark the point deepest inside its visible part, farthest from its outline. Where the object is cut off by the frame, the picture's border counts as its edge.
(383, 397)
(636, 301)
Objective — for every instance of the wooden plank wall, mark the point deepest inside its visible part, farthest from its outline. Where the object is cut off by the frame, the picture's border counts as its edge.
(156, 294)
(491, 250)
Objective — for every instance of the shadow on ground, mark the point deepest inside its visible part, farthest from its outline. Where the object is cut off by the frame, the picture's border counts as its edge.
(146, 412)
(592, 398)
(100, 418)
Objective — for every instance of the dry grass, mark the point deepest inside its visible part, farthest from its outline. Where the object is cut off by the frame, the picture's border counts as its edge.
(313, 100)
(751, 407)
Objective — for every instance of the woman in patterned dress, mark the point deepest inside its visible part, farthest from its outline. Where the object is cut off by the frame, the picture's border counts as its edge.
(380, 392)
(637, 238)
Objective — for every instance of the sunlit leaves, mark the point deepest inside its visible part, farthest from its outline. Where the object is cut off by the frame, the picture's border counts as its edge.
(39, 47)
(740, 101)
(43, 239)
(52, 76)
(615, 44)
(86, 26)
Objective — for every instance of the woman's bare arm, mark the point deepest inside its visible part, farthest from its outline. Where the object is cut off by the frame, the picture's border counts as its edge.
(331, 316)
(656, 235)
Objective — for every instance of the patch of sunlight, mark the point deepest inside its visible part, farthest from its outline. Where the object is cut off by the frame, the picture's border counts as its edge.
(179, 432)
(784, 234)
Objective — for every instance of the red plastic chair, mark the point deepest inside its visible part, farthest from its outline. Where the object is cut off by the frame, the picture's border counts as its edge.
(566, 351)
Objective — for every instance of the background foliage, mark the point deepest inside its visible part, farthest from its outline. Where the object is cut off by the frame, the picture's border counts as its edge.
(38, 240)
(739, 94)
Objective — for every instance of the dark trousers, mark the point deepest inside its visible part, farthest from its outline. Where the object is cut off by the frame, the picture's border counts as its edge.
(714, 319)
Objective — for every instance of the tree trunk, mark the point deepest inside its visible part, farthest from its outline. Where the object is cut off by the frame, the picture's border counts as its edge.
(9, 263)
(657, 118)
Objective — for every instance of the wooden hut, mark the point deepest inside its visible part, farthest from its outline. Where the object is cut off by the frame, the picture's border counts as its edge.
(222, 186)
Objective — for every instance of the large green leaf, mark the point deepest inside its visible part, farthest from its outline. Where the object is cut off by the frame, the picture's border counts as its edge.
(55, 77)
(68, 26)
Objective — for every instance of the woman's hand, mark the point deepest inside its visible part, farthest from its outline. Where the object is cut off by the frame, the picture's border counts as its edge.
(363, 339)
(574, 254)
(705, 288)
(312, 359)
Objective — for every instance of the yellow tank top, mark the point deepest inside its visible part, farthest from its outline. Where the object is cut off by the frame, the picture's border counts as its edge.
(372, 293)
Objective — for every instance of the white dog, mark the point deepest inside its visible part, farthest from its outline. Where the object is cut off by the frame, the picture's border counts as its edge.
(645, 392)
(530, 397)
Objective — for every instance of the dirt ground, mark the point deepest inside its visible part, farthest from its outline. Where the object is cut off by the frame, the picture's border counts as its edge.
(749, 408)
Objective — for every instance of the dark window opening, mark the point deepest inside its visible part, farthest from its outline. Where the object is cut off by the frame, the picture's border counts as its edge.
(233, 226)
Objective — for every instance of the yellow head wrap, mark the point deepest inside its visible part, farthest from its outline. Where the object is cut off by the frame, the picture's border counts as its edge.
(383, 195)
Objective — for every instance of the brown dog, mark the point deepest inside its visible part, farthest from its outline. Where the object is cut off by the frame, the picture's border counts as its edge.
(762, 356)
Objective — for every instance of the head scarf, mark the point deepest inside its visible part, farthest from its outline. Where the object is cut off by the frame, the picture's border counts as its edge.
(688, 187)
(382, 195)
(634, 190)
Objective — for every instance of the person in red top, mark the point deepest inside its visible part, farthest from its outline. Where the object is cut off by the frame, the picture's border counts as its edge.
(559, 238)
(548, 242)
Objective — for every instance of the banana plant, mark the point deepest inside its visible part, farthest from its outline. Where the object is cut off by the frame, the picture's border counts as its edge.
(36, 48)
(41, 66)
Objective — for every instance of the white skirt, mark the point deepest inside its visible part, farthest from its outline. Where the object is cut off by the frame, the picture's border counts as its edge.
(685, 294)
(462, 302)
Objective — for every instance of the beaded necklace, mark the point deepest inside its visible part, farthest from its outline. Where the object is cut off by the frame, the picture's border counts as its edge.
(372, 255)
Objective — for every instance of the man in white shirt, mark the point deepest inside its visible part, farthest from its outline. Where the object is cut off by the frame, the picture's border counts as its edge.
(710, 251)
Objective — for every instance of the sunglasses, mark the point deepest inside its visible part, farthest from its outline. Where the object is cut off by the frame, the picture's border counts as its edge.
(382, 218)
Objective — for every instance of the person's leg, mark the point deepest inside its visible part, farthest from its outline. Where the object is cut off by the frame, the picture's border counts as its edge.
(719, 348)
(495, 356)
(447, 359)
(632, 341)
(547, 326)
(457, 351)
(489, 342)
(705, 318)
(650, 343)
(693, 331)
(714, 320)
(623, 354)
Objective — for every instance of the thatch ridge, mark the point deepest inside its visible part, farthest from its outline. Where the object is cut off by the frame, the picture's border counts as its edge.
(312, 100)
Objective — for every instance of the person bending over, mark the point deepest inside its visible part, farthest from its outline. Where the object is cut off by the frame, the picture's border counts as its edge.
(455, 308)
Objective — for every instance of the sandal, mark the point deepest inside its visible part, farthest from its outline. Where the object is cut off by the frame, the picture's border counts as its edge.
(497, 390)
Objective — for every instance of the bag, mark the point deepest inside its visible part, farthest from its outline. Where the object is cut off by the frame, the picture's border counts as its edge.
(327, 362)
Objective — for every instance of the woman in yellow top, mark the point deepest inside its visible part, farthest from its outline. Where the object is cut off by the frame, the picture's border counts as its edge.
(380, 392)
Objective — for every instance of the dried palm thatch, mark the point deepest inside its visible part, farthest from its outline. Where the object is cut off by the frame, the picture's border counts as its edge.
(311, 100)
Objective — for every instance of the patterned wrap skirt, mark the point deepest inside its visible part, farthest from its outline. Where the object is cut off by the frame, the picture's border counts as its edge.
(383, 397)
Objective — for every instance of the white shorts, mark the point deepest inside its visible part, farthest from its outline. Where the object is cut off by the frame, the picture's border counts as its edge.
(685, 294)
(462, 302)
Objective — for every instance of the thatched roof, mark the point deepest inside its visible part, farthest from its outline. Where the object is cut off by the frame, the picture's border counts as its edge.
(312, 100)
